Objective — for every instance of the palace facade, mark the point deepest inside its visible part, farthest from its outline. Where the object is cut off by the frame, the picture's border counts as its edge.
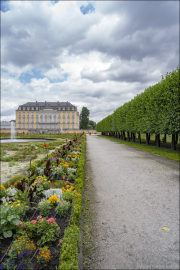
(47, 117)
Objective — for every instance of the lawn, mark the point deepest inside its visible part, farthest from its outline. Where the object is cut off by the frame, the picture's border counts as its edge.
(164, 152)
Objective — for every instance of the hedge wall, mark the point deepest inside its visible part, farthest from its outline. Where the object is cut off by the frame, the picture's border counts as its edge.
(156, 110)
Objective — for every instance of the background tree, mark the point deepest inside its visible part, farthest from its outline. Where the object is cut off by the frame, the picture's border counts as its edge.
(91, 125)
(84, 118)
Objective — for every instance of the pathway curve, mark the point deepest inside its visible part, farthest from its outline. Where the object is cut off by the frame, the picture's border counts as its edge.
(138, 194)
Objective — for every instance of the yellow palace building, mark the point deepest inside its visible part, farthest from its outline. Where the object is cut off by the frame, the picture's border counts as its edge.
(45, 117)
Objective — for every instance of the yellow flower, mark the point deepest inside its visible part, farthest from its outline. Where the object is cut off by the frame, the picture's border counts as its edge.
(79, 195)
(2, 187)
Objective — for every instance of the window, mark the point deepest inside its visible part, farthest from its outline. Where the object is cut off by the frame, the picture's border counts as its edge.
(63, 114)
(63, 120)
(63, 126)
(68, 108)
(36, 120)
(68, 114)
(27, 125)
(64, 108)
(27, 113)
(19, 114)
(72, 126)
(23, 125)
(58, 126)
(72, 114)
(19, 108)
(23, 113)
(59, 120)
(28, 120)
(32, 108)
(28, 108)
(36, 114)
(19, 126)
(72, 120)
(19, 120)
(24, 108)
(23, 120)
(73, 108)
(36, 108)
(32, 120)
(36, 126)
(32, 126)
(68, 126)
(46, 120)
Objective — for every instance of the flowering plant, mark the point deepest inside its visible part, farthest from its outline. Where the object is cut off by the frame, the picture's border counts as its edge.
(62, 208)
(44, 256)
(50, 192)
(44, 208)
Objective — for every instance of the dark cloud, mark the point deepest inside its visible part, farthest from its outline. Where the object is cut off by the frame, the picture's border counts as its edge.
(100, 59)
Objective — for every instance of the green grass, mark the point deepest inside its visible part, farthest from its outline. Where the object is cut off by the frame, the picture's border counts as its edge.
(23, 151)
(164, 152)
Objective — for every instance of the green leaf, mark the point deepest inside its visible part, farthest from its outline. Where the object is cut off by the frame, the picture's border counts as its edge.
(7, 234)
(16, 221)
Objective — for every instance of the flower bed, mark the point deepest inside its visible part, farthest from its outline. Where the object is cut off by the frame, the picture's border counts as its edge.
(37, 208)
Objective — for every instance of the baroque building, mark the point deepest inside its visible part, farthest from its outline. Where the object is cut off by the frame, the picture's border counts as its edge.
(47, 117)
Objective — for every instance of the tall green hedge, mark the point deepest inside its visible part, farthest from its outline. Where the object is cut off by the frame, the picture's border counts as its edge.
(156, 110)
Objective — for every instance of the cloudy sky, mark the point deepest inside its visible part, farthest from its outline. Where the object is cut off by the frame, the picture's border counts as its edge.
(97, 54)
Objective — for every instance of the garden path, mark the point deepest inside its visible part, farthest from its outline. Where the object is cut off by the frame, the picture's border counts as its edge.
(138, 195)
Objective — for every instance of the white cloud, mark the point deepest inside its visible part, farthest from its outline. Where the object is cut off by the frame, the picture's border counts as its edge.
(103, 58)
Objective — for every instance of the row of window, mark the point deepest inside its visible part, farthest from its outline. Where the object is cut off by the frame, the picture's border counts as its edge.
(32, 126)
(32, 114)
(41, 108)
(41, 121)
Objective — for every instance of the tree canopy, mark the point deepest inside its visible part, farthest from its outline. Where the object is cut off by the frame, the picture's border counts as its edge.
(84, 118)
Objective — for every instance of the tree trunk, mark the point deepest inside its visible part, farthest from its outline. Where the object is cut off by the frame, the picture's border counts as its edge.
(173, 143)
(128, 137)
(176, 138)
(139, 137)
(147, 138)
(124, 136)
(133, 137)
(109, 134)
(164, 138)
(119, 135)
(158, 140)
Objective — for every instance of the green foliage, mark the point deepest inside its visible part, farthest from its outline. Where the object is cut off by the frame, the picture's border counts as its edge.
(91, 125)
(62, 208)
(84, 118)
(9, 220)
(156, 110)
(69, 249)
(44, 208)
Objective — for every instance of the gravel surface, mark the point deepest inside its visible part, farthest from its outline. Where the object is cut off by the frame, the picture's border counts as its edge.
(139, 195)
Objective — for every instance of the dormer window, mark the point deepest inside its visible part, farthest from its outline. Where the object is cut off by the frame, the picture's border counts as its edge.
(19, 108)
(24, 108)
(32, 108)
(27, 108)
(73, 108)
(36, 108)
(68, 108)
(64, 108)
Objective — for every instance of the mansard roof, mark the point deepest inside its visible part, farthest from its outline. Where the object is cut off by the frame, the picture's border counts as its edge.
(47, 103)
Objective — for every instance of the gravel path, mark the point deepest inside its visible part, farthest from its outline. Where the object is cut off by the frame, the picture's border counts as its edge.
(138, 194)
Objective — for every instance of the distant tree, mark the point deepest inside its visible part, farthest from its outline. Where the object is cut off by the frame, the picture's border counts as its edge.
(91, 125)
(84, 118)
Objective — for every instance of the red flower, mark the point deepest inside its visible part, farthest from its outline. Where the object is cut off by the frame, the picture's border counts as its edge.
(45, 144)
(66, 140)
